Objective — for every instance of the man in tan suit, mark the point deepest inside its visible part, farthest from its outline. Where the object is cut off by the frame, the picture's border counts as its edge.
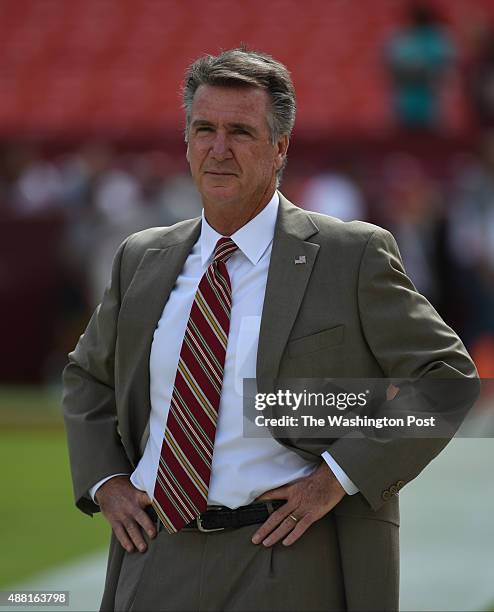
(311, 297)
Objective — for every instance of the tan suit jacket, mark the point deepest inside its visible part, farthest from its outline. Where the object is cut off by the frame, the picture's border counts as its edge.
(349, 312)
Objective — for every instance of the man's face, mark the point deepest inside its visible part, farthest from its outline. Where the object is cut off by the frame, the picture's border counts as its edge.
(231, 156)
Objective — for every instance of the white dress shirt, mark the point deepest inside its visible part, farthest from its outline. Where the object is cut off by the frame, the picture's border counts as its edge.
(243, 468)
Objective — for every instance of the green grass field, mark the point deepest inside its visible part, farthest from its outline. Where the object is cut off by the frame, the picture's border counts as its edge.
(40, 525)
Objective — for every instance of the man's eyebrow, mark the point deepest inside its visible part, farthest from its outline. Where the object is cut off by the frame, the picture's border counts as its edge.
(244, 126)
(197, 122)
(236, 125)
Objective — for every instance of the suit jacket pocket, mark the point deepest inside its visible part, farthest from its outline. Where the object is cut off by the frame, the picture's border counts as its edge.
(316, 342)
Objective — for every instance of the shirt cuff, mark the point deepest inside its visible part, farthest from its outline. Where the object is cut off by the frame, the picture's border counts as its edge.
(340, 475)
(92, 490)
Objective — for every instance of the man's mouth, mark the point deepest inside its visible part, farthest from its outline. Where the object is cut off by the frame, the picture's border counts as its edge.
(214, 173)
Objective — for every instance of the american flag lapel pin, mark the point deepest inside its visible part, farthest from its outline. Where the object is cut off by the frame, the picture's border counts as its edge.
(300, 259)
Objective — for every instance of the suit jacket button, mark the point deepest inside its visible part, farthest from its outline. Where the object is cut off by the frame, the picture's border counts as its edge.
(400, 484)
(393, 489)
(386, 495)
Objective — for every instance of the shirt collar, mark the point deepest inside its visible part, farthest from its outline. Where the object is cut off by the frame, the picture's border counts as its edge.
(252, 239)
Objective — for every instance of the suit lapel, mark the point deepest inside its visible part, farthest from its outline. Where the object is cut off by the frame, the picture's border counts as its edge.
(141, 310)
(285, 289)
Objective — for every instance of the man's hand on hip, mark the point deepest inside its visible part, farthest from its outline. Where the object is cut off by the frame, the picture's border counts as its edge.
(123, 507)
(308, 500)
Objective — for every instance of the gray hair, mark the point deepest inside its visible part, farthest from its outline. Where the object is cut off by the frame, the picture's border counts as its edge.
(244, 68)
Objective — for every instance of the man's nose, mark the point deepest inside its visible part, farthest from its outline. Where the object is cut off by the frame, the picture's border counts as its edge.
(220, 149)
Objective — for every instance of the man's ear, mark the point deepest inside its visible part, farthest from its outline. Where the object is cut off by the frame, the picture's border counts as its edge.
(282, 148)
(187, 153)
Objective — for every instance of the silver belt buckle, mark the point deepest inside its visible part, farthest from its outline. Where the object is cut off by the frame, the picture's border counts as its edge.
(203, 529)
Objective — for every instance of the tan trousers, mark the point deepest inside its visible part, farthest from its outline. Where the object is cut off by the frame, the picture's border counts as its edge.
(224, 571)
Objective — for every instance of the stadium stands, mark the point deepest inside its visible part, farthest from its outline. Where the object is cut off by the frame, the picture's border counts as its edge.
(72, 67)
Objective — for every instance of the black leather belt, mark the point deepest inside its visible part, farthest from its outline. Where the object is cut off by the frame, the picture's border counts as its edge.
(218, 518)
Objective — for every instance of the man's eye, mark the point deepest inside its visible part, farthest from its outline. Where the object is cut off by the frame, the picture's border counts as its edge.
(240, 131)
(204, 128)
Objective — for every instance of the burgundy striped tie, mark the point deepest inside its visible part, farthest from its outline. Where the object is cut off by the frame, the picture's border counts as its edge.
(184, 470)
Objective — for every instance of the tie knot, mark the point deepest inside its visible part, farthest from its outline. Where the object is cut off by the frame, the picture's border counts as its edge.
(224, 248)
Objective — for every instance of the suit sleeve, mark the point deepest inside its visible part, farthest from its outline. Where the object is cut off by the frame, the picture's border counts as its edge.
(89, 406)
(409, 340)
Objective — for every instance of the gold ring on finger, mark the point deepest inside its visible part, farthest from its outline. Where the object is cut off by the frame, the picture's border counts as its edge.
(294, 518)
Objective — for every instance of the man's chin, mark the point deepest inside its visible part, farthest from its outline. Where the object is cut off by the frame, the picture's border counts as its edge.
(218, 181)
(220, 194)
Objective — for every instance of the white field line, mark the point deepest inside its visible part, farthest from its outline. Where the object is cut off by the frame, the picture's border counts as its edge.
(84, 579)
(447, 531)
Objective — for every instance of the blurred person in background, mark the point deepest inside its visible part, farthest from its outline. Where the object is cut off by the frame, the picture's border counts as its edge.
(471, 240)
(254, 288)
(418, 59)
(335, 193)
(479, 76)
(38, 188)
(118, 210)
(123, 207)
(410, 208)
